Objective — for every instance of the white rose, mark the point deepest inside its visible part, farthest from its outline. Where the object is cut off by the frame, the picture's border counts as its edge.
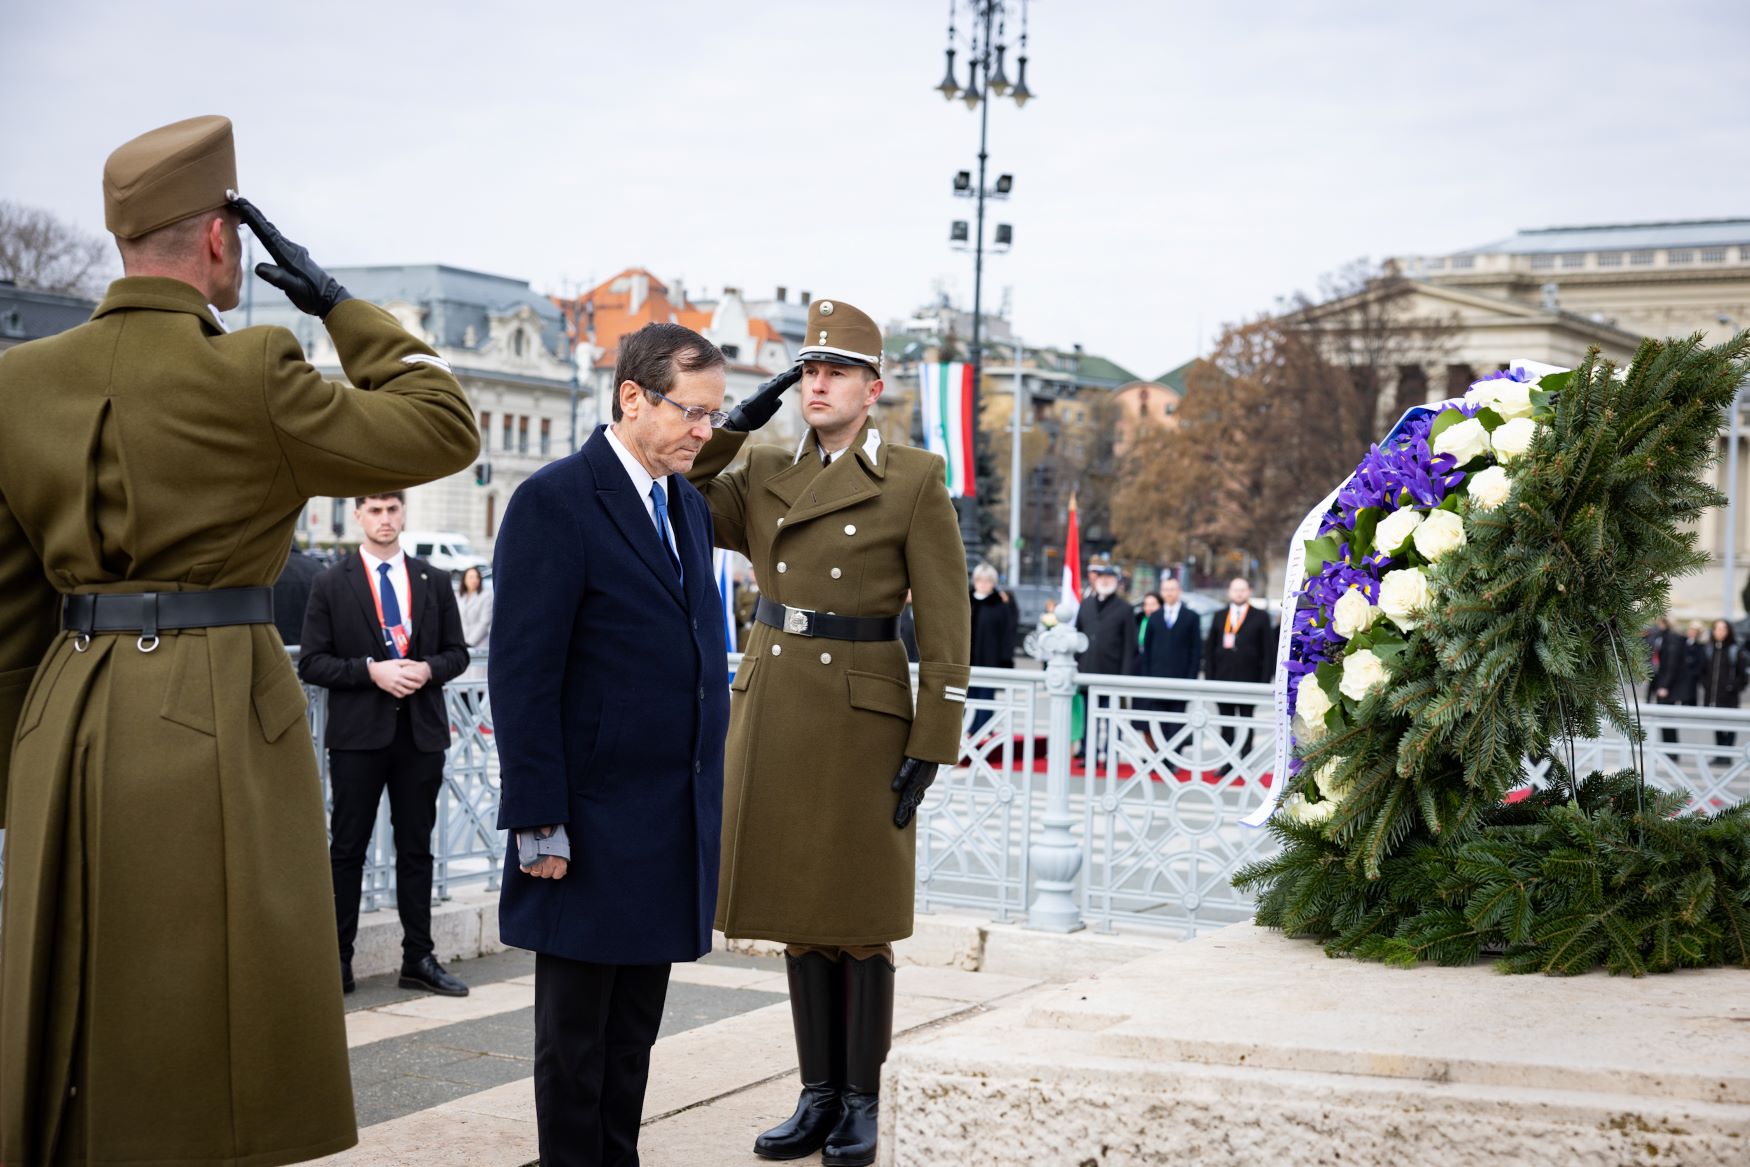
(1362, 674)
(1489, 488)
(1308, 731)
(1404, 597)
(1392, 530)
(1352, 613)
(1325, 779)
(1512, 398)
(1311, 702)
(1464, 441)
(1512, 438)
(1314, 813)
(1443, 531)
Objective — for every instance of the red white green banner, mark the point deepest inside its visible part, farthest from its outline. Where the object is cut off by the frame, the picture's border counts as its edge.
(946, 397)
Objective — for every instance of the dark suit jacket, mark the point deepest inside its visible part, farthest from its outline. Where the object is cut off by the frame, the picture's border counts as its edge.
(610, 699)
(341, 636)
(1110, 626)
(1680, 668)
(291, 594)
(1171, 652)
(1253, 656)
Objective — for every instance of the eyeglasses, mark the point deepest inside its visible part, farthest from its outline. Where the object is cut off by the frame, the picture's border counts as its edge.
(694, 413)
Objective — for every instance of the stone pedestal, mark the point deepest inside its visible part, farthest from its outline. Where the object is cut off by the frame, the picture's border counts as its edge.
(1244, 1048)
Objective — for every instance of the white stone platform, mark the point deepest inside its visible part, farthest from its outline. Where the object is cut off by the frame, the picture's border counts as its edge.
(1245, 1048)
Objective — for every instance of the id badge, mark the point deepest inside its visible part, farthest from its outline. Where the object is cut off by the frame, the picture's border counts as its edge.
(1227, 640)
(399, 635)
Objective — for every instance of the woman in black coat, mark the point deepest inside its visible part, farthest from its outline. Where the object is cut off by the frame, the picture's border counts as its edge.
(1723, 676)
(995, 622)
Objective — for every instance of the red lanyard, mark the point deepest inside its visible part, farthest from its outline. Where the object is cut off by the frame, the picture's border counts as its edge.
(377, 598)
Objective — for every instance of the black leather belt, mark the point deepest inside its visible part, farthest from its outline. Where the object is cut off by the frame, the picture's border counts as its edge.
(802, 622)
(149, 613)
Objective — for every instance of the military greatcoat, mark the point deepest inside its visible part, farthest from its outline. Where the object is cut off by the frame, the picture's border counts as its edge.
(168, 982)
(818, 727)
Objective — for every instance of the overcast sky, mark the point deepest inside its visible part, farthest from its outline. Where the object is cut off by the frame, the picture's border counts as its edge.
(1183, 165)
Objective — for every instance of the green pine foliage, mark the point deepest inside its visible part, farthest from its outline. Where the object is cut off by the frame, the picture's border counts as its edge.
(1533, 643)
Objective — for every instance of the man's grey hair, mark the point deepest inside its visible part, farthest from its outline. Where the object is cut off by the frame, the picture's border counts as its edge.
(985, 571)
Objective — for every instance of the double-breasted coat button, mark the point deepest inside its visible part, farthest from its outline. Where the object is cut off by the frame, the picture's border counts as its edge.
(701, 692)
(777, 650)
(826, 658)
(780, 520)
(836, 573)
(850, 528)
(783, 567)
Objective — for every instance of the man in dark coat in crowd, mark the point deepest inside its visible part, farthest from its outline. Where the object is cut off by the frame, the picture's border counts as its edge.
(994, 624)
(1240, 648)
(610, 690)
(1171, 647)
(1110, 626)
(1681, 660)
(291, 593)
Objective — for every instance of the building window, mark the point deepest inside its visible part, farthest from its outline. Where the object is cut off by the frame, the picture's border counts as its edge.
(1713, 255)
(509, 433)
(1438, 264)
(1744, 255)
(517, 344)
(1574, 260)
(522, 435)
(730, 352)
(1680, 256)
(1463, 262)
(486, 429)
(1640, 258)
(546, 437)
(1540, 262)
(491, 515)
(1610, 259)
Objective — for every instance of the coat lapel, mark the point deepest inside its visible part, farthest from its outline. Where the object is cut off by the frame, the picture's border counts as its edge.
(849, 480)
(614, 493)
(360, 587)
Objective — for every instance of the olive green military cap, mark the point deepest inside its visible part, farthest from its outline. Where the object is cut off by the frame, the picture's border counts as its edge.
(842, 335)
(167, 174)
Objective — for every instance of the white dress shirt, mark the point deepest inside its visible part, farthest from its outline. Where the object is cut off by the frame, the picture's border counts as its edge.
(1170, 614)
(397, 578)
(641, 481)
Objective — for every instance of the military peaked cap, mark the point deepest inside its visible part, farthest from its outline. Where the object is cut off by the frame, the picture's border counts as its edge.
(841, 335)
(168, 174)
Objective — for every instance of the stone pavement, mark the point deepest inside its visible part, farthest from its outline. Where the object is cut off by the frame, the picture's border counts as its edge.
(446, 1082)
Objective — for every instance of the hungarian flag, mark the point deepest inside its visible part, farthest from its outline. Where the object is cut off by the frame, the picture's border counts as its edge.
(946, 398)
(1070, 598)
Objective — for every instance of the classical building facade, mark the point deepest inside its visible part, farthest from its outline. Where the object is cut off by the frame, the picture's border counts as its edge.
(508, 347)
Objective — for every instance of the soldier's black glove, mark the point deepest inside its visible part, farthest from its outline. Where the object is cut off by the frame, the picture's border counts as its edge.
(306, 285)
(911, 784)
(759, 406)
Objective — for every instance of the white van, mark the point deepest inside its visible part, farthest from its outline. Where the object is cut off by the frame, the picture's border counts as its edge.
(446, 550)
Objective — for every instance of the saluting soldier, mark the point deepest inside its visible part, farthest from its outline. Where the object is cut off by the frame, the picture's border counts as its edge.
(817, 849)
(168, 992)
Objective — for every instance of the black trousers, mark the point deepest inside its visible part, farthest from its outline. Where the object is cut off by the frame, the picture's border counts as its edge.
(594, 1026)
(358, 778)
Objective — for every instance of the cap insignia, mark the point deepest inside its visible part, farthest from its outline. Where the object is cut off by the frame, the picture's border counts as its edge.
(826, 307)
(822, 337)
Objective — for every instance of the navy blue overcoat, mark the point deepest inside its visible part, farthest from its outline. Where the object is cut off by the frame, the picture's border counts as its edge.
(610, 703)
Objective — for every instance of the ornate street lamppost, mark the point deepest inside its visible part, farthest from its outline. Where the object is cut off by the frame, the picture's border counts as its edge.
(985, 52)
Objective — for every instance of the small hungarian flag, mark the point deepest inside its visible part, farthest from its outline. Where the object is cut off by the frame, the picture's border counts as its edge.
(946, 398)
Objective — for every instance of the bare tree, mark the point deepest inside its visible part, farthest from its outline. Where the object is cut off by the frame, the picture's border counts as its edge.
(1279, 413)
(38, 250)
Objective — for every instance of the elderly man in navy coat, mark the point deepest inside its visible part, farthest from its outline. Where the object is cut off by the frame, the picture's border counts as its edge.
(610, 701)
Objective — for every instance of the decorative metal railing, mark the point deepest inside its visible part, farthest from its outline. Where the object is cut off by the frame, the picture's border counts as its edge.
(1144, 832)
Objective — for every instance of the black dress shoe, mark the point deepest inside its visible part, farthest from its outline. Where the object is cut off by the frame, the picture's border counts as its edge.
(429, 975)
(347, 984)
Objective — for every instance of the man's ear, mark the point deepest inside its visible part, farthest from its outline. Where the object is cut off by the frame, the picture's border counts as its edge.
(218, 227)
(875, 388)
(631, 395)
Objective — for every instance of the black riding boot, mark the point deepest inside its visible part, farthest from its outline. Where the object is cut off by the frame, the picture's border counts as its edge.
(817, 1011)
(868, 1034)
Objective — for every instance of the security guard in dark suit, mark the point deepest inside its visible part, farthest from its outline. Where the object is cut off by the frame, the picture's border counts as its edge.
(167, 987)
(827, 756)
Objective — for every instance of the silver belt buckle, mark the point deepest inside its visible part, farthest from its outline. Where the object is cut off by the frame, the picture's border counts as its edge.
(797, 621)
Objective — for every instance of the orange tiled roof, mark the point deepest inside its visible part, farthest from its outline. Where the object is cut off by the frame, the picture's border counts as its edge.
(761, 329)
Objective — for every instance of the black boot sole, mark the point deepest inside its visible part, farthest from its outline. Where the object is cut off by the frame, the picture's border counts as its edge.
(786, 1156)
(847, 1161)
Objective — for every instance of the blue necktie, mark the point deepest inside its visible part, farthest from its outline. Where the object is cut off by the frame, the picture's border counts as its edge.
(391, 608)
(658, 497)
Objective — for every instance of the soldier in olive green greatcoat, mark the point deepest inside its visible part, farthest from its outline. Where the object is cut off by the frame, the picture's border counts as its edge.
(168, 991)
(817, 851)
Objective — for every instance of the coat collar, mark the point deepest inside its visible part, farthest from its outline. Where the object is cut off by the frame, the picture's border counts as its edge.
(158, 293)
(615, 494)
(811, 490)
